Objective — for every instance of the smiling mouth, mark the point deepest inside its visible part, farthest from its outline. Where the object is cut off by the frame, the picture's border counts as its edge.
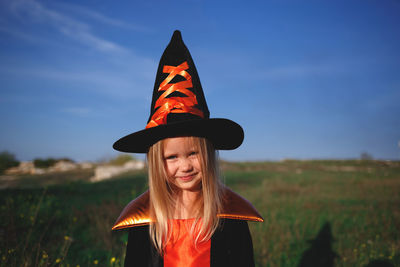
(187, 177)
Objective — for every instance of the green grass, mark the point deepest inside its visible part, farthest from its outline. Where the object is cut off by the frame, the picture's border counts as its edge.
(350, 208)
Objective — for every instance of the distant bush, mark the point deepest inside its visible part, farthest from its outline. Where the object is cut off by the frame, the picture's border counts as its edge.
(44, 163)
(366, 156)
(121, 159)
(7, 160)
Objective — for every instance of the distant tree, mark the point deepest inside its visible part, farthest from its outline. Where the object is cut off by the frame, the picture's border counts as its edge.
(366, 156)
(121, 159)
(44, 163)
(7, 160)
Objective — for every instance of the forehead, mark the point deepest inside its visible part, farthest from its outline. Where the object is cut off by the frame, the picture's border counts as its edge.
(178, 143)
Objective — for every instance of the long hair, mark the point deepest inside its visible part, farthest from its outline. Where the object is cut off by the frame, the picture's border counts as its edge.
(163, 200)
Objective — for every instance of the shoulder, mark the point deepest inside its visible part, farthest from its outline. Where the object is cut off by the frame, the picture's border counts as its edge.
(238, 208)
(136, 213)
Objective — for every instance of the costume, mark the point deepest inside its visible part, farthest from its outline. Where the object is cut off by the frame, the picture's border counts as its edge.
(231, 244)
(179, 109)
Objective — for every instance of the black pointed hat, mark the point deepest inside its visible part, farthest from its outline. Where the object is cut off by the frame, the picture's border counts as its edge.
(179, 107)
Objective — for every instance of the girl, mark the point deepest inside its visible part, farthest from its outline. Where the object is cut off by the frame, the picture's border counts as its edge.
(187, 217)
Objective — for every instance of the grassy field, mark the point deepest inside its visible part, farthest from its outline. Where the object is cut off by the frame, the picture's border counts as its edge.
(317, 213)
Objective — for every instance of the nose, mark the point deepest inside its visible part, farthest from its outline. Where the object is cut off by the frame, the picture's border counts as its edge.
(186, 165)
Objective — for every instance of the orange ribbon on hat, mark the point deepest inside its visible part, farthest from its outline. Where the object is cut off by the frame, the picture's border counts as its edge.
(167, 104)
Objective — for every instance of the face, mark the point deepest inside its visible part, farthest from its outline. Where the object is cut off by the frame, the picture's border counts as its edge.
(182, 163)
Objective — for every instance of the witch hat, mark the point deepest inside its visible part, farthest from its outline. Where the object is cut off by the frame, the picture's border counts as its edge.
(179, 108)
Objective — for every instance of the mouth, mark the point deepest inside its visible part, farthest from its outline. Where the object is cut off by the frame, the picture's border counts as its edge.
(187, 178)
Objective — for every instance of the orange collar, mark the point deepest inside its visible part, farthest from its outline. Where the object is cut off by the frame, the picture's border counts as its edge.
(136, 213)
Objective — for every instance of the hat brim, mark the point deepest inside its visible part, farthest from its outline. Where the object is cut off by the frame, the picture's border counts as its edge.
(223, 133)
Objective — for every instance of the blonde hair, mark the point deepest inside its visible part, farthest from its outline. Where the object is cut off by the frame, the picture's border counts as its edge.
(162, 201)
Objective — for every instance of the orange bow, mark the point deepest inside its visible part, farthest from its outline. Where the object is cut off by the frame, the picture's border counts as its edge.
(174, 104)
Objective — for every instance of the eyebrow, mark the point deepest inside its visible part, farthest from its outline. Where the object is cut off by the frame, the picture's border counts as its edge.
(167, 154)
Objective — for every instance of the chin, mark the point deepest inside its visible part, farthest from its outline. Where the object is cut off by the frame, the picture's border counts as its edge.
(190, 186)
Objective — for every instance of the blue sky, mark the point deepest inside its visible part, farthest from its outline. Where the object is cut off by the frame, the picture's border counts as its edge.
(305, 79)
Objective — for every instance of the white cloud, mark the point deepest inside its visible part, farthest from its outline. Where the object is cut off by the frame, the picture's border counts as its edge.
(66, 25)
(89, 13)
(110, 69)
(118, 84)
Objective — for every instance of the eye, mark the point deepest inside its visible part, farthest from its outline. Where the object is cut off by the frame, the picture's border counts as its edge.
(170, 157)
(193, 153)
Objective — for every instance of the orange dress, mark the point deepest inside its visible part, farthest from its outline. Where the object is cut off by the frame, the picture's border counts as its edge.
(180, 251)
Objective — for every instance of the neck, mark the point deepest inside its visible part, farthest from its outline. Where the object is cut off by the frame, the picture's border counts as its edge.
(187, 204)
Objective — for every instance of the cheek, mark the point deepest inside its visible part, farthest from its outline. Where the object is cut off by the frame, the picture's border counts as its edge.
(170, 168)
(197, 165)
